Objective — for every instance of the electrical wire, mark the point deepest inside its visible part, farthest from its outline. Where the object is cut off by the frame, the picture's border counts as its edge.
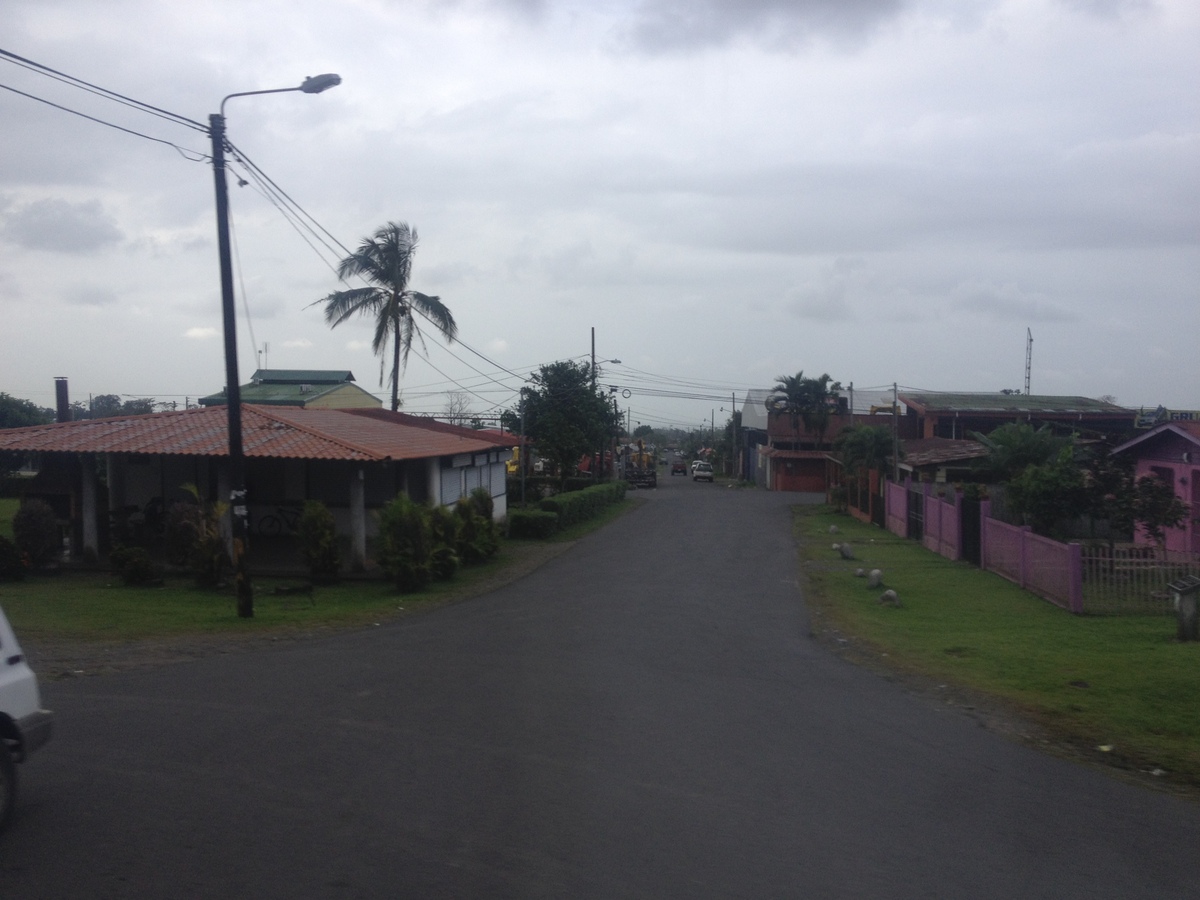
(71, 80)
(183, 151)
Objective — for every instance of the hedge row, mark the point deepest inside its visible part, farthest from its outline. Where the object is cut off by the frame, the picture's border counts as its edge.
(564, 510)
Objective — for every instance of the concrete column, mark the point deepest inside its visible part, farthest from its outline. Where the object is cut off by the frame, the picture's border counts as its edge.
(223, 497)
(91, 530)
(116, 481)
(358, 520)
(434, 470)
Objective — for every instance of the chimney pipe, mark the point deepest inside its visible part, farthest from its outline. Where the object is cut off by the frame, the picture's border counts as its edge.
(63, 403)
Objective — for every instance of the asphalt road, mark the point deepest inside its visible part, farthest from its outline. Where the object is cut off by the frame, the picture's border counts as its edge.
(645, 716)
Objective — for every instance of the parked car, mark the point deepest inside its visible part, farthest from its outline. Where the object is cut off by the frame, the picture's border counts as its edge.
(702, 471)
(24, 725)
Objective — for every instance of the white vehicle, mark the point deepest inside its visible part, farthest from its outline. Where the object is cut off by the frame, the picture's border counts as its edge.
(702, 471)
(24, 725)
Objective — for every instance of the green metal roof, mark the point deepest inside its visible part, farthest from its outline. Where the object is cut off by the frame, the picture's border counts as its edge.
(301, 376)
(1009, 403)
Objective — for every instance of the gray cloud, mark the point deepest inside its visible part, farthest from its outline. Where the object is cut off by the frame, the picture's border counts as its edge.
(60, 226)
(90, 295)
(1009, 302)
(673, 26)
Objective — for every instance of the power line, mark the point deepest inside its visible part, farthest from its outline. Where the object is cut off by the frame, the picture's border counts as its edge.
(75, 82)
(183, 151)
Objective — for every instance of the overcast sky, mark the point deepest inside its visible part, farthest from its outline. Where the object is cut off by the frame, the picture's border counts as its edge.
(725, 190)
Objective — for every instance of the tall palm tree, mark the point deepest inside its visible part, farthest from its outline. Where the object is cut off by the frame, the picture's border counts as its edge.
(385, 262)
(811, 400)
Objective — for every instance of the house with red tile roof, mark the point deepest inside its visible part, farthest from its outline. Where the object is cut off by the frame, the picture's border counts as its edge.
(353, 460)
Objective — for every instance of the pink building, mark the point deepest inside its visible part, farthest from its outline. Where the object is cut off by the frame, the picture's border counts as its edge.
(1172, 452)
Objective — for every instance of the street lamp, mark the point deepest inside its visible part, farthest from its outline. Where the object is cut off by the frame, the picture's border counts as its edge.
(239, 512)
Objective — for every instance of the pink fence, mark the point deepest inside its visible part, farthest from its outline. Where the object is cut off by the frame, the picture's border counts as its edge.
(943, 528)
(1047, 568)
(896, 509)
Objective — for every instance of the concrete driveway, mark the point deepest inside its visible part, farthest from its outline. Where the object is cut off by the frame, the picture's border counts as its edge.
(645, 716)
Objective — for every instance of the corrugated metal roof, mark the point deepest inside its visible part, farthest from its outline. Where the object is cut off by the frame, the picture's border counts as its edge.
(939, 451)
(301, 376)
(288, 393)
(1010, 404)
(273, 432)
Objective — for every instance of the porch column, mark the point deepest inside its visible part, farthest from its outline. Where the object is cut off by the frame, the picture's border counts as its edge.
(223, 494)
(91, 531)
(358, 520)
(433, 468)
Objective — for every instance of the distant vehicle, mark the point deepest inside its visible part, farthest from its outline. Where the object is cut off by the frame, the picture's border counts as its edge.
(641, 468)
(678, 466)
(695, 462)
(702, 471)
(24, 725)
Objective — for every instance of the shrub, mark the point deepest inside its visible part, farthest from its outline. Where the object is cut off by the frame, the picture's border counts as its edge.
(316, 533)
(133, 565)
(13, 563)
(36, 531)
(196, 539)
(532, 523)
(477, 537)
(443, 558)
(405, 543)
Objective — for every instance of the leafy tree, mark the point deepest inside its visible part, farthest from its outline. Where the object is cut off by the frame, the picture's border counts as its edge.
(1044, 494)
(106, 406)
(864, 448)
(1015, 446)
(565, 416)
(808, 400)
(1155, 507)
(385, 262)
(18, 413)
(643, 431)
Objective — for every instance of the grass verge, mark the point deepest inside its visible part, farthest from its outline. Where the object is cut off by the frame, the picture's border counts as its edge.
(97, 607)
(1120, 691)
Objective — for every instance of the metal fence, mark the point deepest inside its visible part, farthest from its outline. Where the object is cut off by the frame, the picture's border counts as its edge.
(1124, 578)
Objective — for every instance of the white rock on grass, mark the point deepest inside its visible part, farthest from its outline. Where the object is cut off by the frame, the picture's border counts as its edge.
(875, 578)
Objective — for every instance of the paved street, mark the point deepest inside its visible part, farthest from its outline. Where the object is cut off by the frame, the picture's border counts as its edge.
(645, 716)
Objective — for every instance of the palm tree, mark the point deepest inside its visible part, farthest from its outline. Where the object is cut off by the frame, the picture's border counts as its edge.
(788, 396)
(385, 262)
(811, 400)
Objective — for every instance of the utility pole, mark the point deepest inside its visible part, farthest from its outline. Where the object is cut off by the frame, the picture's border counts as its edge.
(239, 512)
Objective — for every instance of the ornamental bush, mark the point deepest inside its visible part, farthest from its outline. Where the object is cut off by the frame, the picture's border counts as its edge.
(535, 524)
(133, 565)
(13, 563)
(36, 532)
(316, 532)
(406, 543)
(444, 558)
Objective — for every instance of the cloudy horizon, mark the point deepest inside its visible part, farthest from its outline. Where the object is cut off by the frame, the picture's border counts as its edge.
(885, 190)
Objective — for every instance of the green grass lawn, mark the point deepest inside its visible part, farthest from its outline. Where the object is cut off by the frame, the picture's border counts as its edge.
(91, 606)
(1119, 682)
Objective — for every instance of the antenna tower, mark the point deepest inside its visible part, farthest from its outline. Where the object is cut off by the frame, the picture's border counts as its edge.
(1028, 357)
